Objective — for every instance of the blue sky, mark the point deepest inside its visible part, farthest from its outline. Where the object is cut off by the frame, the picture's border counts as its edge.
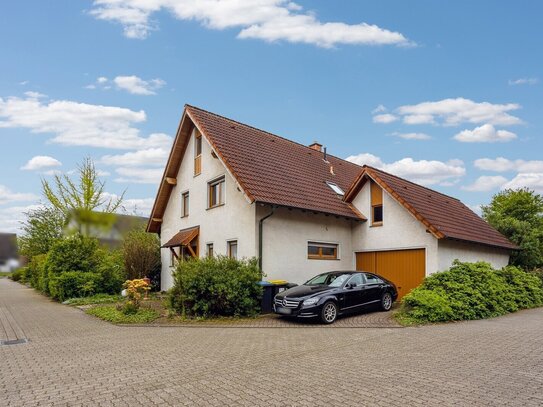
(448, 94)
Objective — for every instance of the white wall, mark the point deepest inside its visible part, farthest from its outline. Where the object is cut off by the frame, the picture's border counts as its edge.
(449, 250)
(400, 229)
(234, 220)
(286, 235)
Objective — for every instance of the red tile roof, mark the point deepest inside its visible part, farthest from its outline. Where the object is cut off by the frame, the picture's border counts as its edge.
(277, 171)
(445, 216)
(274, 170)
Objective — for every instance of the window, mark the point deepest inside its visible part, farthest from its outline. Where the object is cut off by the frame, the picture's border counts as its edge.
(210, 250)
(197, 153)
(335, 188)
(184, 204)
(371, 279)
(232, 249)
(322, 251)
(357, 279)
(376, 204)
(173, 259)
(216, 193)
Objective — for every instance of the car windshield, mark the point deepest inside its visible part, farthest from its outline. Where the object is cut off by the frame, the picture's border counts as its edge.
(332, 280)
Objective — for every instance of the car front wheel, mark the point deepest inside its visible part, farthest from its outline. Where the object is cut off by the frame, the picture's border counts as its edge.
(386, 302)
(329, 312)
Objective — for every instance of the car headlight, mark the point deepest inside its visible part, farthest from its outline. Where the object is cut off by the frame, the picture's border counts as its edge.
(311, 301)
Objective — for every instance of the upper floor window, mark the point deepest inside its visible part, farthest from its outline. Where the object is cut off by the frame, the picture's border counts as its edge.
(216, 193)
(322, 251)
(376, 204)
(184, 204)
(197, 153)
(232, 249)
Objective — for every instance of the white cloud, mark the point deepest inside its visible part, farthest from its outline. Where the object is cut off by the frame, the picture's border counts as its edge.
(486, 183)
(501, 164)
(531, 180)
(423, 172)
(453, 112)
(34, 95)
(11, 217)
(80, 124)
(137, 175)
(151, 156)
(486, 133)
(132, 206)
(379, 109)
(524, 81)
(137, 86)
(412, 136)
(384, 118)
(268, 20)
(24, 83)
(101, 79)
(41, 162)
(8, 196)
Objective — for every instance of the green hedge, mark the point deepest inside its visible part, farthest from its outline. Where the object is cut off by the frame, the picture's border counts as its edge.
(216, 286)
(471, 291)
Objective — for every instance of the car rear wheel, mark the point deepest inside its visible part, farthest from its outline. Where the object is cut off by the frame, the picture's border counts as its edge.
(329, 312)
(386, 302)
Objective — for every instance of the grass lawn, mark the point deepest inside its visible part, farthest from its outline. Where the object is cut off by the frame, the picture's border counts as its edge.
(95, 299)
(5, 274)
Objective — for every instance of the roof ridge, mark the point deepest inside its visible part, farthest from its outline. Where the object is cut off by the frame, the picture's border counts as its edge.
(412, 183)
(271, 134)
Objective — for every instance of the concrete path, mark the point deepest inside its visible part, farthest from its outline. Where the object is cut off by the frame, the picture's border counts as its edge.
(74, 359)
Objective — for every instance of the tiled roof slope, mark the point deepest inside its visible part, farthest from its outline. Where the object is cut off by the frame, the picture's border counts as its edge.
(275, 170)
(448, 215)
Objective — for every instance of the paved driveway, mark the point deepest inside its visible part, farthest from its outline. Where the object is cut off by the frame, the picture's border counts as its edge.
(74, 359)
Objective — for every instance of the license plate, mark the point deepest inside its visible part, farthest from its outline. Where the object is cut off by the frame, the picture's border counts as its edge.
(284, 311)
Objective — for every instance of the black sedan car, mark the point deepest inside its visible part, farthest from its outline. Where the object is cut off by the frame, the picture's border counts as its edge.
(334, 293)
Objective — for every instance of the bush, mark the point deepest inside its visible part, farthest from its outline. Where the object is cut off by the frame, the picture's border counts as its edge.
(141, 251)
(72, 284)
(216, 286)
(111, 270)
(471, 291)
(74, 253)
(18, 275)
(35, 273)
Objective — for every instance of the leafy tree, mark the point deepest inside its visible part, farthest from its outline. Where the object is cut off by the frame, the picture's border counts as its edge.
(518, 214)
(79, 199)
(42, 228)
(141, 252)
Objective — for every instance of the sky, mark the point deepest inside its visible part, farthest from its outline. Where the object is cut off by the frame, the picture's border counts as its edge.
(446, 94)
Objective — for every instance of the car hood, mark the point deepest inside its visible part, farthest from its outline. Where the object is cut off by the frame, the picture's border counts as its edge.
(305, 291)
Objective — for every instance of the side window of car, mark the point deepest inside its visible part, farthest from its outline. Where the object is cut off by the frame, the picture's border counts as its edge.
(371, 279)
(357, 279)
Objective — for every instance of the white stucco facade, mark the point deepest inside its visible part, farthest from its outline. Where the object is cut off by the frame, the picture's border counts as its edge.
(449, 250)
(234, 220)
(400, 230)
(286, 233)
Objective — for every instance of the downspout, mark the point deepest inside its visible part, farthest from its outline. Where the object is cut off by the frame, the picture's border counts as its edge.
(260, 230)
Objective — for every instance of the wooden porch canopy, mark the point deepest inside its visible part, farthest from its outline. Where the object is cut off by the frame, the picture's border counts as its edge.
(183, 237)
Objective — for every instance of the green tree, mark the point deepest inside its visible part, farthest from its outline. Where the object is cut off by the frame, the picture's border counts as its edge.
(518, 214)
(41, 229)
(80, 199)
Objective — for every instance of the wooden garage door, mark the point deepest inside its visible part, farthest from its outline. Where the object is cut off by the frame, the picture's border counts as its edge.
(405, 268)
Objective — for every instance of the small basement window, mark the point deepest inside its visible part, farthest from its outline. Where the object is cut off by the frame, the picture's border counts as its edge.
(335, 188)
(322, 251)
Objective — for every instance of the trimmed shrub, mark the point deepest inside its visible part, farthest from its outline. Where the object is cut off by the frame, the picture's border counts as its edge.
(19, 275)
(471, 291)
(72, 284)
(111, 270)
(35, 273)
(74, 253)
(216, 286)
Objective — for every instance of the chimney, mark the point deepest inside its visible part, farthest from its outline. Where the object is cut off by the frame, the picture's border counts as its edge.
(316, 146)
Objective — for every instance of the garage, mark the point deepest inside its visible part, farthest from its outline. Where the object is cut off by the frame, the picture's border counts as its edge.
(405, 268)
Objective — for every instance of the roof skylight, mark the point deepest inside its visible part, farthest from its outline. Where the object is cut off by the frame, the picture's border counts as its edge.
(335, 188)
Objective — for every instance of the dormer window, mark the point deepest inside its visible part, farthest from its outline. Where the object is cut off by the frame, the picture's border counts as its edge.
(197, 153)
(376, 204)
(335, 188)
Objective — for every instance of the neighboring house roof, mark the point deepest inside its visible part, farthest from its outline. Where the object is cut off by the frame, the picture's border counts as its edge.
(444, 216)
(276, 171)
(8, 246)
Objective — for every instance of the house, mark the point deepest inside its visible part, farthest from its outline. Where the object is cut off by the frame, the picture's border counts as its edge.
(9, 257)
(109, 228)
(231, 189)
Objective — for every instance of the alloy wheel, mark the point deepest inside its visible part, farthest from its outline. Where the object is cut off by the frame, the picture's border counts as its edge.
(329, 312)
(387, 301)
